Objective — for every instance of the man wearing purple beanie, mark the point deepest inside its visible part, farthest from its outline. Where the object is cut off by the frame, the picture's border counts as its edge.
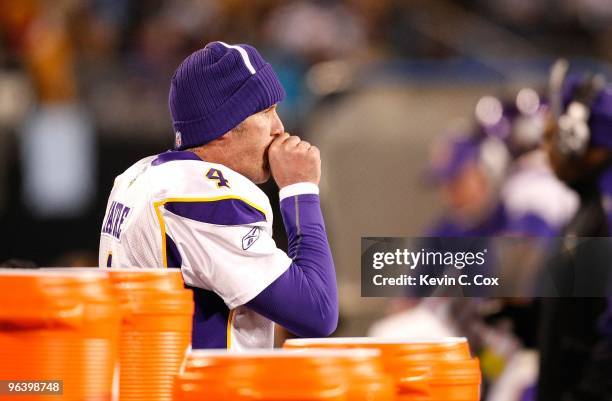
(197, 207)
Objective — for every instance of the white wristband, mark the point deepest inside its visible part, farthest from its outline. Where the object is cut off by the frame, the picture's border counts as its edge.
(300, 188)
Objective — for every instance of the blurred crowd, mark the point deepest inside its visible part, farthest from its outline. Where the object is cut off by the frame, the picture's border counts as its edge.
(116, 56)
(83, 94)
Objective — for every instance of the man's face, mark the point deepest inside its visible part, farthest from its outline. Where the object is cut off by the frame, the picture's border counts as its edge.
(250, 141)
(469, 192)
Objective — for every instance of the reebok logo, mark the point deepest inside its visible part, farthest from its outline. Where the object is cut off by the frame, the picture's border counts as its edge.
(250, 238)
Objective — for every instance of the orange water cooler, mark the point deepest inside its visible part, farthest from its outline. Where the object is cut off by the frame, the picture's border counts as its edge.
(281, 375)
(57, 325)
(157, 316)
(423, 369)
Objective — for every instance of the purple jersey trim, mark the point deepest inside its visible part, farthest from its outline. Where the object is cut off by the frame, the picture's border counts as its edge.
(210, 315)
(173, 256)
(174, 155)
(304, 299)
(529, 393)
(227, 212)
(210, 319)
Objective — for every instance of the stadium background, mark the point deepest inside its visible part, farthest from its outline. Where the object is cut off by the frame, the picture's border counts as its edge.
(83, 94)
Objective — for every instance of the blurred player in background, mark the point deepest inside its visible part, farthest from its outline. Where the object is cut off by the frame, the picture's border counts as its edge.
(576, 338)
(496, 181)
(468, 176)
(537, 207)
(197, 207)
(535, 201)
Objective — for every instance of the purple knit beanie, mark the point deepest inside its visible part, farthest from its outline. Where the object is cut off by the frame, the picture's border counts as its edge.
(216, 88)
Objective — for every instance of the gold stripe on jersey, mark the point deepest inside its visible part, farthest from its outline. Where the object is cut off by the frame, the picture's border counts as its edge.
(162, 224)
(229, 329)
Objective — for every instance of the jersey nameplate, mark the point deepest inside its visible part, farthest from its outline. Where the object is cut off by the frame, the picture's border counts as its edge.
(114, 221)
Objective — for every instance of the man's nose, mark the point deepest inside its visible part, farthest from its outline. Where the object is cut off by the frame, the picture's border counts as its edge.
(277, 125)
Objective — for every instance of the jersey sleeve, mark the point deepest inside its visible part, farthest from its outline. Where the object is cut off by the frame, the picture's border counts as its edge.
(222, 245)
(304, 299)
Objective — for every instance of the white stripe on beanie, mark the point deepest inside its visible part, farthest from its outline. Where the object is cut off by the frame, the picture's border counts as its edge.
(243, 54)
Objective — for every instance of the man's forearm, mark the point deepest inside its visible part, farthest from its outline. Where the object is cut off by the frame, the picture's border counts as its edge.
(304, 299)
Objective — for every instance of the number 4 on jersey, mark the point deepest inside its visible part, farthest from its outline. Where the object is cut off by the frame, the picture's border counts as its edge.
(214, 174)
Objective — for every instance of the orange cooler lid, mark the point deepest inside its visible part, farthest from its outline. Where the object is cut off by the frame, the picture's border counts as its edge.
(271, 374)
(146, 279)
(151, 291)
(47, 298)
(448, 348)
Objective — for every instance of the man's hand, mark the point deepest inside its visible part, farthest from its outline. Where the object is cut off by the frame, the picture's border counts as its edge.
(293, 160)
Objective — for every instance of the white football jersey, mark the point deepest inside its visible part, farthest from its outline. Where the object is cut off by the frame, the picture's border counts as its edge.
(534, 189)
(176, 210)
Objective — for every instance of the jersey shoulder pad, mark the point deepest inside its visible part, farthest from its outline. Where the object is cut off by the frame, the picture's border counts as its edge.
(186, 185)
(134, 170)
